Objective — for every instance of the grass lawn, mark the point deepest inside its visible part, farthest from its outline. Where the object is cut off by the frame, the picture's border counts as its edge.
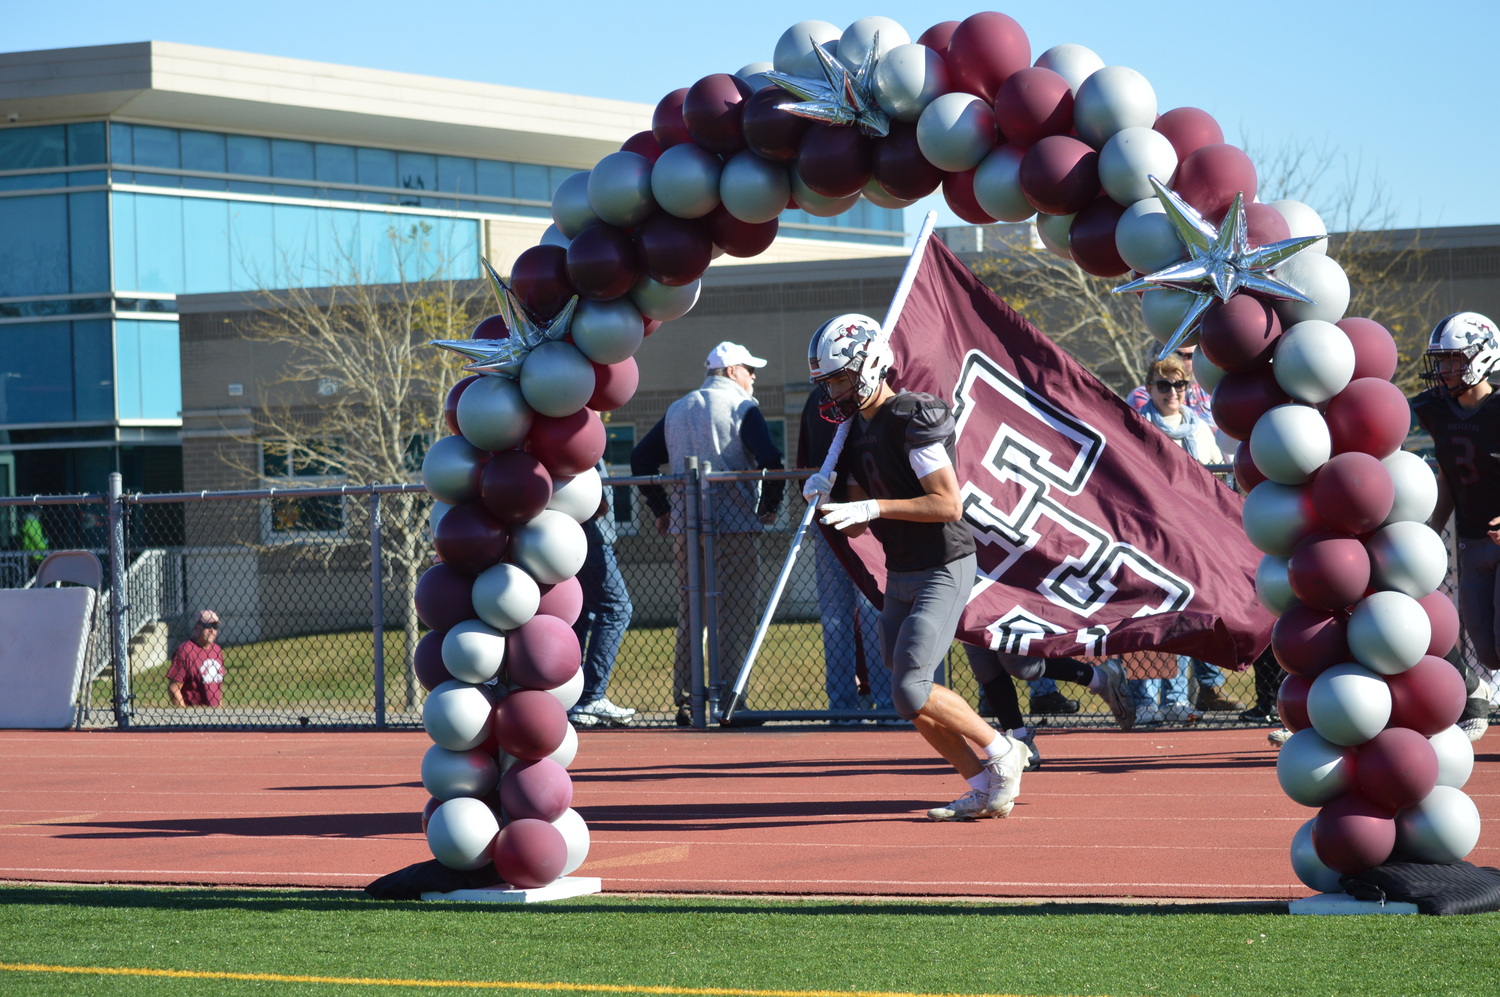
(274, 942)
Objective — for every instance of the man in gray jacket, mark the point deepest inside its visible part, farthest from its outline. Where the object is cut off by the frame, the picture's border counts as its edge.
(719, 423)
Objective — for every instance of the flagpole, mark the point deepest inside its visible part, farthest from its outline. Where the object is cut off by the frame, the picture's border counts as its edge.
(898, 301)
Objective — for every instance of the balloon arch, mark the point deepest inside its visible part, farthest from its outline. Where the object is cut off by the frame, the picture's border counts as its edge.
(1350, 568)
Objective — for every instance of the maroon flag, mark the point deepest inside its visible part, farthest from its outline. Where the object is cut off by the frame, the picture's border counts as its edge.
(1096, 533)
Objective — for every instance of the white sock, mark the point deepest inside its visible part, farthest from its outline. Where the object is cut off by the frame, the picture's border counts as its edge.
(997, 748)
(980, 781)
(1020, 732)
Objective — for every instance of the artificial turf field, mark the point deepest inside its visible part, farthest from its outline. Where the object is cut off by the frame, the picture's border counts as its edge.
(57, 940)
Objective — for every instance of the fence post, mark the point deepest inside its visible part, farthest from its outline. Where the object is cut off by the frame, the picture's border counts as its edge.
(690, 527)
(118, 602)
(377, 607)
(709, 573)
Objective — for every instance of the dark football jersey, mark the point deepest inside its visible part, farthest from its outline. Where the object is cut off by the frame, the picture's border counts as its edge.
(877, 455)
(1467, 446)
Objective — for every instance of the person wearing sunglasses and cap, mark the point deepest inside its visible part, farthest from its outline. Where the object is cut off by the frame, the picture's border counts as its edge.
(196, 677)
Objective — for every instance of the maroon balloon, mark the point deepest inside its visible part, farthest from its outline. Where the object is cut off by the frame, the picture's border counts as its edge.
(563, 600)
(1240, 334)
(1059, 175)
(737, 238)
(938, 36)
(569, 444)
(1428, 697)
(469, 538)
(602, 262)
(1443, 616)
(1246, 474)
(1209, 178)
(429, 808)
(1374, 348)
(1353, 493)
(674, 251)
(1353, 835)
(1240, 399)
(958, 191)
(539, 790)
(614, 384)
(1396, 768)
(1189, 129)
(1307, 640)
(983, 51)
(769, 131)
(1265, 225)
(493, 327)
(900, 167)
(450, 404)
(540, 279)
(1032, 104)
(1091, 238)
(713, 110)
(667, 126)
(530, 724)
(834, 161)
(542, 653)
(1370, 415)
(1291, 702)
(643, 144)
(427, 660)
(529, 854)
(515, 486)
(444, 597)
(1329, 571)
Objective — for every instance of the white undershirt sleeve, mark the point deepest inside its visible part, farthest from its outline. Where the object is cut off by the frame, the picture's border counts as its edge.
(932, 457)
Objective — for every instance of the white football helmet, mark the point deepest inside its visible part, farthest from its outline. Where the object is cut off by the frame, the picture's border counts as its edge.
(1463, 338)
(848, 360)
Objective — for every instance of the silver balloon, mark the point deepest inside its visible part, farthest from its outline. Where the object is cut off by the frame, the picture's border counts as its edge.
(1312, 770)
(1308, 867)
(1314, 361)
(1073, 63)
(460, 833)
(435, 515)
(578, 497)
(451, 469)
(1128, 158)
(620, 189)
(685, 180)
(663, 302)
(1053, 231)
(1146, 239)
(794, 53)
(878, 33)
(1111, 99)
(909, 78)
(1204, 372)
(1444, 827)
(1272, 587)
(1163, 309)
(956, 131)
(576, 835)
(1303, 221)
(1277, 517)
(1455, 754)
(552, 236)
(457, 715)
(473, 651)
(881, 198)
(504, 596)
(447, 775)
(754, 73)
(607, 331)
(1416, 487)
(997, 185)
(1322, 280)
(1409, 558)
(1289, 443)
(556, 379)
(1348, 704)
(1389, 632)
(550, 547)
(493, 414)
(816, 204)
(571, 212)
(753, 189)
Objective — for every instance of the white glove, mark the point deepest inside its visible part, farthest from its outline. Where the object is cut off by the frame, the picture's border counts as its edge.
(841, 515)
(820, 485)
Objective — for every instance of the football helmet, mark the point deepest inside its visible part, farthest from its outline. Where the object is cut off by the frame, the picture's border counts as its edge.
(848, 360)
(1463, 338)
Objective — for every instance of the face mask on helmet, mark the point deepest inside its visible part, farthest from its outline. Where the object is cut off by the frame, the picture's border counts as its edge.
(848, 362)
(1461, 352)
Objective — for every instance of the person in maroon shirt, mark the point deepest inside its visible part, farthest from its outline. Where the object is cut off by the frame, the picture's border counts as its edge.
(196, 677)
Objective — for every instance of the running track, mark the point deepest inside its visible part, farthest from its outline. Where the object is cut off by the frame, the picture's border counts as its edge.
(1166, 814)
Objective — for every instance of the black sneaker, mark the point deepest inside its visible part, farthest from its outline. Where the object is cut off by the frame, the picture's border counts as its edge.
(1260, 715)
(684, 717)
(1053, 704)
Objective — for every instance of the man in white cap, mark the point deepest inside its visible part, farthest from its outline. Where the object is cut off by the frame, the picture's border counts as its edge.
(719, 423)
(196, 677)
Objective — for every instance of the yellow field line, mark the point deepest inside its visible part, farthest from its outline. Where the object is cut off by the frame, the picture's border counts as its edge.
(608, 988)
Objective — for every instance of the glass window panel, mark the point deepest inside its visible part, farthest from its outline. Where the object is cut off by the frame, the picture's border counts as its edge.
(159, 244)
(128, 368)
(555, 176)
(120, 145)
(37, 264)
(204, 151)
(157, 147)
(494, 179)
(86, 143)
(416, 171)
(93, 371)
(292, 160)
(534, 183)
(33, 148)
(252, 246)
(343, 256)
(34, 181)
(207, 266)
(123, 206)
(376, 167)
(88, 238)
(248, 155)
(455, 174)
(619, 441)
(38, 381)
(296, 261)
(86, 178)
(335, 163)
(161, 370)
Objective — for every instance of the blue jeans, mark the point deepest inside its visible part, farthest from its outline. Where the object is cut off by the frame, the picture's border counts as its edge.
(606, 614)
(1162, 692)
(1207, 675)
(849, 627)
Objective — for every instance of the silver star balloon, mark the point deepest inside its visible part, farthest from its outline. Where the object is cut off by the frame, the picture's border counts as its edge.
(840, 98)
(503, 357)
(1220, 261)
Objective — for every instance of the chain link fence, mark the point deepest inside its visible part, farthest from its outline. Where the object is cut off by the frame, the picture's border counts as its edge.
(315, 587)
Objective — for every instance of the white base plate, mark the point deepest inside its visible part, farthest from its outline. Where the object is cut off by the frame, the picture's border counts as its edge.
(567, 886)
(1343, 903)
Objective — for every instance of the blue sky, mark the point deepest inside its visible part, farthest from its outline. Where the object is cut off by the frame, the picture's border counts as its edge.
(1402, 95)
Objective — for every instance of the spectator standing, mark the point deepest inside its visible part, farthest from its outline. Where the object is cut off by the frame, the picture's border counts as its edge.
(605, 617)
(718, 422)
(196, 677)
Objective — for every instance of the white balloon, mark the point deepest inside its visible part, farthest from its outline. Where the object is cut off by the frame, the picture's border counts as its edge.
(1053, 231)
(1389, 632)
(1455, 754)
(907, 79)
(1348, 704)
(473, 651)
(685, 180)
(1205, 373)
(1111, 99)
(1073, 63)
(571, 212)
(579, 496)
(1277, 517)
(447, 775)
(1308, 867)
(460, 832)
(1444, 827)
(607, 331)
(620, 189)
(493, 414)
(457, 715)
(753, 189)
(1128, 157)
(1416, 487)
(435, 515)
(1322, 280)
(1145, 237)
(1314, 361)
(956, 131)
(754, 73)
(1162, 310)
(568, 750)
(997, 185)
(504, 596)
(665, 302)
(553, 236)
(794, 49)
(1303, 221)
(567, 694)
(1313, 770)
(556, 379)
(452, 465)
(576, 833)
(1408, 557)
(817, 204)
(1272, 586)
(879, 33)
(550, 547)
(1289, 443)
